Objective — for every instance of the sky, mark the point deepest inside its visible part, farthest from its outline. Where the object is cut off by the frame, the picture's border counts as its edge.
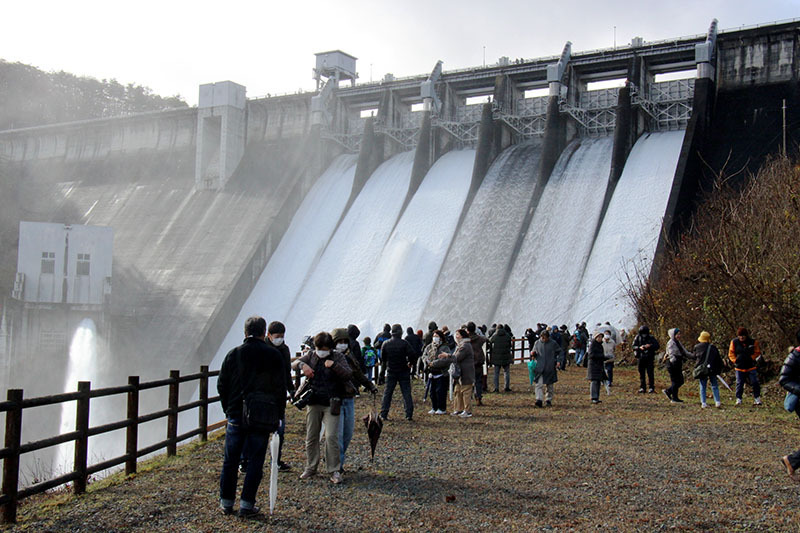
(173, 46)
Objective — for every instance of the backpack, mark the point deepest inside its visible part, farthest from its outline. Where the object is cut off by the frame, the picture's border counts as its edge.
(370, 356)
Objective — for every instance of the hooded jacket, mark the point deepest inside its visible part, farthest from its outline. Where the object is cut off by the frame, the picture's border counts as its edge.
(501, 347)
(414, 341)
(426, 340)
(676, 353)
(355, 347)
(595, 370)
(790, 372)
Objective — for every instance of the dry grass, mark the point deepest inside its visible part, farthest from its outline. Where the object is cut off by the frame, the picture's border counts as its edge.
(633, 463)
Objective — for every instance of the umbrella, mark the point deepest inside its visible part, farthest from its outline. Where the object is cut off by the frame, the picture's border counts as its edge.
(531, 370)
(427, 389)
(374, 425)
(274, 446)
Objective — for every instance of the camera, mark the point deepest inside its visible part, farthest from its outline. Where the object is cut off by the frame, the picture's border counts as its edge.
(302, 397)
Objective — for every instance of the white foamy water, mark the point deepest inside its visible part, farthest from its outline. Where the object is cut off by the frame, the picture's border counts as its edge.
(630, 229)
(332, 296)
(300, 248)
(411, 260)
(480, 254)
(550, 264)
(83, 366)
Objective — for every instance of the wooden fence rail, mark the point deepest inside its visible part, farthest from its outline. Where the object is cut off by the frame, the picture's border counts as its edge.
(15, 404)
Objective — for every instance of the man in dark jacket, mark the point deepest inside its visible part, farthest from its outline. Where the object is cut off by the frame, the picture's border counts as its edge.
(501, 357)
(429, 335)
(645, 347)
(397, 355)
(355, 347)
(790, 380)
(252, 367)
(380, 338)
(276, 333)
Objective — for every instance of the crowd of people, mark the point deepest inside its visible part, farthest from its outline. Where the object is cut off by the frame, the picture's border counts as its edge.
(255, 378)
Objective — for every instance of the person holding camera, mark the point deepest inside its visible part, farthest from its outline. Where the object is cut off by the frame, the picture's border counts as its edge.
(253, 369)
(347, 418)
(326, 371)
(645, 347)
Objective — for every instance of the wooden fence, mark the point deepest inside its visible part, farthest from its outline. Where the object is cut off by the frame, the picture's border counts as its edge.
(16, 404)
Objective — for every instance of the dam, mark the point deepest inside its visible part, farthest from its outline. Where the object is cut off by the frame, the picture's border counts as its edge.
(518, 192)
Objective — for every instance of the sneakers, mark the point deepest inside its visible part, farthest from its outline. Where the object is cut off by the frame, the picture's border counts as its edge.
(465, 414)
(789, 470)
(651, 390)
(718, 405)
(248, 513)
(641, 391)
(336, 478)
(595, 402)
(308, 474)
(738, 401)
(668, 394)
(548, 403)
(704, 405)
(456, 413)
(757, 401)
(676, 400)
(507, 390)
(432, 412)
(440, 412)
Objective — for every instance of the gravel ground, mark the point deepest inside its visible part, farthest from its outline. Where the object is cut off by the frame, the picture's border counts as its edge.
(632, 463)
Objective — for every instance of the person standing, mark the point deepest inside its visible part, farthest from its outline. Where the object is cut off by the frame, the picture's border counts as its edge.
(579, 344)
(790, 380)
(347, 415)
(327, 371)
(397, 356)
(465, 361)
(609, 345)
(477, 341)
(435, 356)
(546, 351)
(370, 356)
(380, 338)
(675, 356)
(416, 344)
(744, 352)
(355, 347)
(710, 363)
(595, 372)
(253, 368)
(645, 347)
(276, 333)
(501, 357)
(429, 335)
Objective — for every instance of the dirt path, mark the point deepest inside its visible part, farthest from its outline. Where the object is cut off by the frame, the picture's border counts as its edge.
(632, 463)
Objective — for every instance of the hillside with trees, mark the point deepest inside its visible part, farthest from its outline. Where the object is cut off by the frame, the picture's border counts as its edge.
(32, 97)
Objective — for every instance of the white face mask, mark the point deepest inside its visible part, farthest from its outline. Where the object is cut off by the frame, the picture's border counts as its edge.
(436, 341)
(277, 341)
(322, 354)
(341, 347)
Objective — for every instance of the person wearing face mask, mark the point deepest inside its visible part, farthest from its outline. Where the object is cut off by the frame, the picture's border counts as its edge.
(276, 332)
(435, 355)
(327, 370)
(463, 357)
(347, 417)
(675, 356)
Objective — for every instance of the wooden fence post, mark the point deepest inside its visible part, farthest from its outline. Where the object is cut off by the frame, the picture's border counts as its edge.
(11, 463)
(202, 413)
(132, 434)
(82, 442)
(172, 418)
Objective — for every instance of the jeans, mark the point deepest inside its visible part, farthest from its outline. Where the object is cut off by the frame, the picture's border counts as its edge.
(439, 386)
(370, 373)
(646, 365)
(507, 370)
(580, 353)
(479, 382)
(347, 419)
(752, 376)
(714, 388)
(610, 372)
(255, 445)
(392, 380)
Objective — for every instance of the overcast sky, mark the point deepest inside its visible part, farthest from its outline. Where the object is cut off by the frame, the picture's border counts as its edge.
(172, 46)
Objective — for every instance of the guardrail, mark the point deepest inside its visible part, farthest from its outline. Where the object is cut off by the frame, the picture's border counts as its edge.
(15, 404)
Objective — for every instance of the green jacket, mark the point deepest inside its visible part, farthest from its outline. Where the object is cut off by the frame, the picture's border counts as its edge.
(501, 348)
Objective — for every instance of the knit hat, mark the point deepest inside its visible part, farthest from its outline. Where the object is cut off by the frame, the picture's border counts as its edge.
(704, 337)
(340, 334)
(397, 329)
